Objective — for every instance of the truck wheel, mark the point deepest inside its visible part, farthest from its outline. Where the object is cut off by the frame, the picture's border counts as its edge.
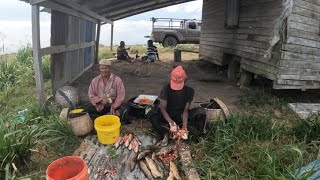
(170, 41)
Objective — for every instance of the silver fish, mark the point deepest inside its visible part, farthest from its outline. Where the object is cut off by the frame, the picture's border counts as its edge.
(174, 170)
(153, 168)
(133, 162)
(145, 170)
(143, 154)
(171, 176)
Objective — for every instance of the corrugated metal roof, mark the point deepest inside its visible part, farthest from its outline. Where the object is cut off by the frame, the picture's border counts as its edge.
(109, 9)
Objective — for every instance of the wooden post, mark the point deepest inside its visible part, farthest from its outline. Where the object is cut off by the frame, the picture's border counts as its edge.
(37, 62)
(111, 39)
(96, 61)
(177, 55)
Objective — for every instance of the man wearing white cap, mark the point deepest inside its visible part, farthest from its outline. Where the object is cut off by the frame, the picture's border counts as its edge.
(106, 91)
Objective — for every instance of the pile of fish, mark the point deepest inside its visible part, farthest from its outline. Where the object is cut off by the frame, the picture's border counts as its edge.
(129, 141)
(154, 161)
(153, 166)
(180, 134)
(167, 157)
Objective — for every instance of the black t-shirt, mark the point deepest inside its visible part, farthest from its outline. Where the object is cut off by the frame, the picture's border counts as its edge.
(176, 100)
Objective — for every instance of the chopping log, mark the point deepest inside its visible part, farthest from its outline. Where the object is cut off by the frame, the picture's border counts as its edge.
(185, 158)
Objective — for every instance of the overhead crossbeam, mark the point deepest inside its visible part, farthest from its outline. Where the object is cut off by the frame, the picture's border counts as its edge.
(72, 8)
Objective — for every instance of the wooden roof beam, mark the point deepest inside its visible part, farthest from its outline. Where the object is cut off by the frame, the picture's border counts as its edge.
(32, 2)
(84, 10)
(61, 8)
(134, 7)
(139, 10)
(99, 4)
(117, 6)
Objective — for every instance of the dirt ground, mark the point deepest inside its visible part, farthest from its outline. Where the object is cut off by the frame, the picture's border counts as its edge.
(142, 78)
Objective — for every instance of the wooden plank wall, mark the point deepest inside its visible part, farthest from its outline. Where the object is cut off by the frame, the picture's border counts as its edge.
(58, 35)
(67, 29)
(251, 40)
(300, 60)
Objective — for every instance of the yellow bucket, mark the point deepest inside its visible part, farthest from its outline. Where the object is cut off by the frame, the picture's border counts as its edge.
(76, 111)
(108, 128)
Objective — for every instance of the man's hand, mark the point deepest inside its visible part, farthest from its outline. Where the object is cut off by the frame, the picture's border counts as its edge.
(105, 101)
(184, 132)
(99, 107)
(173, 127)
(114, 112)
(184, 127)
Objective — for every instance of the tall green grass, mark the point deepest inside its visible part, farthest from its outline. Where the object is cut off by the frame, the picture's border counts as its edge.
(106, 53)
(41, 126)
(9, 73)
(255, 143)
(20, 69)
(16, 140)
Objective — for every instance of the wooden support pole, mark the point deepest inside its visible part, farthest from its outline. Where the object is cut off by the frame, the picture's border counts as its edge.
(111, 39)
(37, 62)
(96, 55)
(177, 55)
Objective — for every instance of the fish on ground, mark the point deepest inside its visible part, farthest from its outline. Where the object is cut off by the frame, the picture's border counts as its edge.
(143, 154)
(117, 143)
(145, 169)
(133, 162)
(153, 168)
(174, 170)
(130, 137)
(171, 176)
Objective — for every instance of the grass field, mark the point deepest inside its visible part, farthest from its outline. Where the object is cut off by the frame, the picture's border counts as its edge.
(105, 52)
(262, 140)
(37, 132)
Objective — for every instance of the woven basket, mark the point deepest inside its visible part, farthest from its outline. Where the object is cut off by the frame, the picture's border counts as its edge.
(71, 93)
(64, 114)
(81, 123)
(213, 112)
(214, 115)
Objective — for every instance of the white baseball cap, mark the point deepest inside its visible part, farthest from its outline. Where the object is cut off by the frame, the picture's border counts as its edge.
(105, 62)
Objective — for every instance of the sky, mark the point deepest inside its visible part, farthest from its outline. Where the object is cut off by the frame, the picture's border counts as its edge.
(15, 24)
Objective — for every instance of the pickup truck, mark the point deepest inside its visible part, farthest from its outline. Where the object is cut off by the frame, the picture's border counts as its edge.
(170, 32)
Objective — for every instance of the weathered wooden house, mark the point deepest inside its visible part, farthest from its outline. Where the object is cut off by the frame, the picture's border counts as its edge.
(75, 34)
(276, 39)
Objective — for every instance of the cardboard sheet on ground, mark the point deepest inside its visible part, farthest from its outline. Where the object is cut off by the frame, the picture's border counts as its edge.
(305, 110)
(310, 171)
(103, 160)
(107, 162)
